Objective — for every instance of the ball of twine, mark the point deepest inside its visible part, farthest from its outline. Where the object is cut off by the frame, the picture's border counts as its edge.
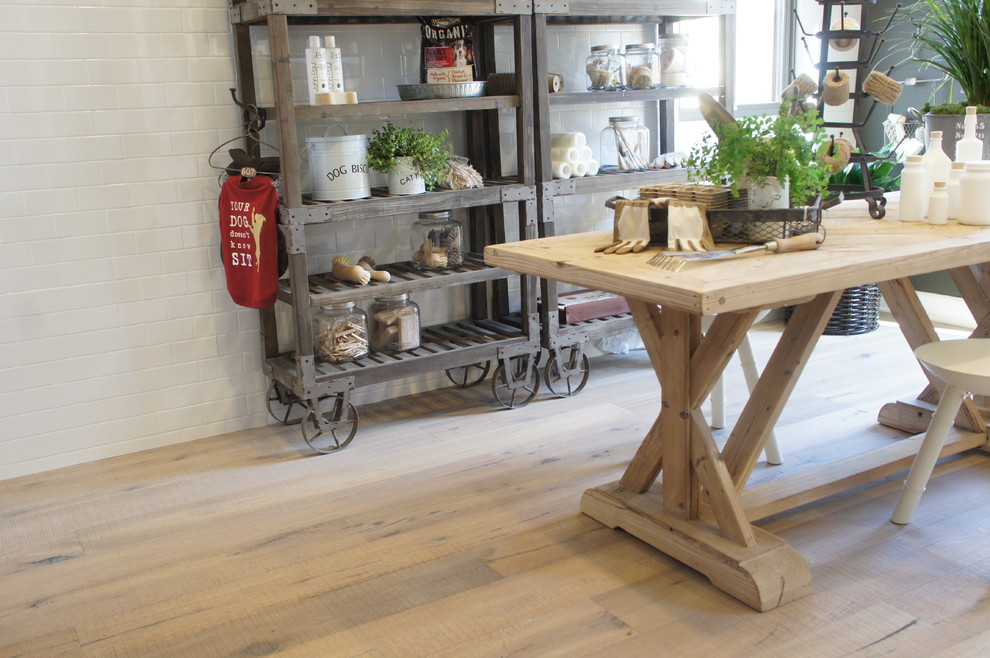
(801, 87)
(841, 150)
(882, 88)
(836, 88)
(843, 44)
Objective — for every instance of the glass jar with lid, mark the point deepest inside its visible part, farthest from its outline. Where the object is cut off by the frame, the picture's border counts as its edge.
(340, 332)
(606, 68)
(673, 51)
(437, 241)
(625, 145)
(642, 66)
(394, 323)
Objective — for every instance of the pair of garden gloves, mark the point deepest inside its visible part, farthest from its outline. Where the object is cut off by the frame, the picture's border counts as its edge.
(687, 226)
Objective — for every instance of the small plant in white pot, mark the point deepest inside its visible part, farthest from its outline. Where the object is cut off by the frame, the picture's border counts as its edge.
(414, 160)
(775, 157)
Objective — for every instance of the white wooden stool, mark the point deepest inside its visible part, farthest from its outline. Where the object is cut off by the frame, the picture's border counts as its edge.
(748, 362)
(964, 366)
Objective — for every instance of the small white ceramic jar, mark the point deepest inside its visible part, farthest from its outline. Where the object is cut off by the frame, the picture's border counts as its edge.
(938, 205)
(974, 194)
(952, 188)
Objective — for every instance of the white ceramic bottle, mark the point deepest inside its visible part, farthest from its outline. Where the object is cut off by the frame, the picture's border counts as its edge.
(974, 194)
(938, 205)
(317, 71)
(937, 163)
(970, 147)
(952, 188)
(914, 190)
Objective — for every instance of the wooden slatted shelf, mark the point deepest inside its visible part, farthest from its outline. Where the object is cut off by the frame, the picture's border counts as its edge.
(382, 204)
(325, 288)
(627, 95)
(386, 108)
(444, 346)
(247, 12)
(633, 11)
(610, 181)
(600, 327)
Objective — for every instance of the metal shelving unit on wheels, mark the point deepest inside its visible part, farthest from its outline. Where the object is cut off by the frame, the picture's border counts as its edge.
(567, 369)
(502, 328)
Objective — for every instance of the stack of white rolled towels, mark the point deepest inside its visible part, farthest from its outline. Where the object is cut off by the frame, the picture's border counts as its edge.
(570, 156)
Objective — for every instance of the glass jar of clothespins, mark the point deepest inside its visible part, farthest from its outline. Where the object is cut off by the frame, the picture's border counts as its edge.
(340, 332)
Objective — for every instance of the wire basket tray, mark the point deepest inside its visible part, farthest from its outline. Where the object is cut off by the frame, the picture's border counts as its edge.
(759, 226)
(729, 218)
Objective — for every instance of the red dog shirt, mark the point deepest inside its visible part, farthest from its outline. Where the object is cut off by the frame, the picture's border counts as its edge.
(248, 239)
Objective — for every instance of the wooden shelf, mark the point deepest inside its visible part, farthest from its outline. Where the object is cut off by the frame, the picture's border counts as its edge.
(627, 95)
(382, 204)
(445, 346)
(247, 12)
(325, 288)
(600, 327)
(393, 107)
(609, 181)
(632, 11)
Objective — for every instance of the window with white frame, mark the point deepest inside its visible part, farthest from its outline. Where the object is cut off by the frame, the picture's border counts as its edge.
(762, 61)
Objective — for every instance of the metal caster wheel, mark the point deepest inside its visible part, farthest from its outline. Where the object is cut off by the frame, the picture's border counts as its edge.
(877, 210)
(470, 375)
(522, 388)
(571, 378)
(333, 430)
(276, 394)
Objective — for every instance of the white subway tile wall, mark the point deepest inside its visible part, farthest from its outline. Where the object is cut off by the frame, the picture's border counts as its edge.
(116, 331)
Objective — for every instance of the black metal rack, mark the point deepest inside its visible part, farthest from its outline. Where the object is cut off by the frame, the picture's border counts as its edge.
(870, 42)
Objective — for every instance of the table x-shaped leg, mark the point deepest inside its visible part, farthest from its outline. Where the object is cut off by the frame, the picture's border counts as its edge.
(917, 327)
(697, 516)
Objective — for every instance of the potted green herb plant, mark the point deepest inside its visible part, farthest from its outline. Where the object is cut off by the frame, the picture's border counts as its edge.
(413, 159)
(774, 156)
(953, 36)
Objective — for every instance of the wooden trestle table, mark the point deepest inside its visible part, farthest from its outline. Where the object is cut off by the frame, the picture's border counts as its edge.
(701, 512)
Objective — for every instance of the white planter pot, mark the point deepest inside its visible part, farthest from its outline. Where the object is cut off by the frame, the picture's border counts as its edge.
(405, 178)
(953, 129)
(770, 193)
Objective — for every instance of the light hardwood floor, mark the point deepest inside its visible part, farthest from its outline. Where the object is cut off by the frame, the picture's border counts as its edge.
(451, 528)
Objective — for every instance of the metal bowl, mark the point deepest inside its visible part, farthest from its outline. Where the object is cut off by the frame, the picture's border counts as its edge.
(441, 90)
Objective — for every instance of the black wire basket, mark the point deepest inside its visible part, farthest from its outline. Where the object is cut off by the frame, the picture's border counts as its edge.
(729, 219)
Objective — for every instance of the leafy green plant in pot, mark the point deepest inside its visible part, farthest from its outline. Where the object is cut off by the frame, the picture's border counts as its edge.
(414, 160)
(953, 36)
(760, 152)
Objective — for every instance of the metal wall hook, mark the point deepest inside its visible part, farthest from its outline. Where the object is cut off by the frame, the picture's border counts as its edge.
(257, 117)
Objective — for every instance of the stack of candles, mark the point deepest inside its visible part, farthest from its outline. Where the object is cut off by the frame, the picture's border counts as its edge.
(570, 156)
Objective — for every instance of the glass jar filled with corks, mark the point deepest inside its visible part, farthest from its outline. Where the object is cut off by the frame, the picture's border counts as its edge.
(394, 324)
